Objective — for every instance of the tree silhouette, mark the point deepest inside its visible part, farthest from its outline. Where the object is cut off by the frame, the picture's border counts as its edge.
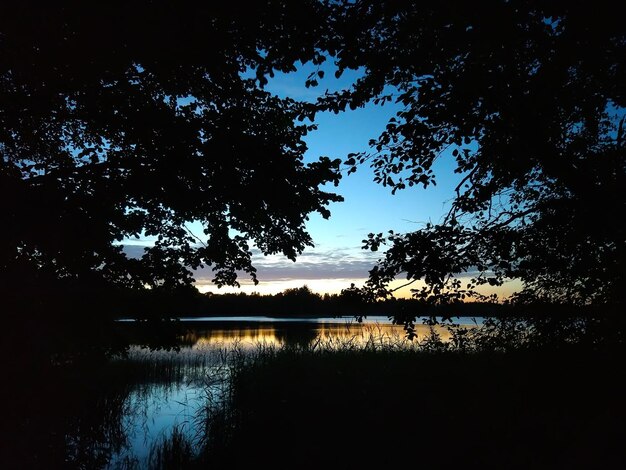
(528, 100)
(135, 120)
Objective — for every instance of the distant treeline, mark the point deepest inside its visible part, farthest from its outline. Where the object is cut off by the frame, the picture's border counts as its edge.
(72, 301)
(296, 302)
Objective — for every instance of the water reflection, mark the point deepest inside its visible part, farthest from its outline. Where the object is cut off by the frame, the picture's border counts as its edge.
(158, 390)
(170, 390)
(306, 334)
(153, 412)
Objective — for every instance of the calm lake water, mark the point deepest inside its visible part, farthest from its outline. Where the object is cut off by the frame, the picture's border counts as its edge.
(175, 387)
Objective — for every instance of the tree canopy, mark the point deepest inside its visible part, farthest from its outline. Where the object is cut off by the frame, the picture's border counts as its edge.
(528, 99)
(135, 121)
(120, 122)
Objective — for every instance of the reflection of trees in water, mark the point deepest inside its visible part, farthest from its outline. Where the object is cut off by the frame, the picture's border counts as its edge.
(87, 415)
(70, 417)
(84, 416)
(301, 334)
(97, 431)
(330, 335)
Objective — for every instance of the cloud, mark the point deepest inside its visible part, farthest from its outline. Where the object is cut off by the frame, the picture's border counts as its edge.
(134, 251)
(338, 263)
(320, 265)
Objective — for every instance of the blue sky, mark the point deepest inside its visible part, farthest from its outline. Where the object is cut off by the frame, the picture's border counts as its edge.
(337, 258)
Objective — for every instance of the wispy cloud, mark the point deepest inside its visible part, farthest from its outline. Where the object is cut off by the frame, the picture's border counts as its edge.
(330, 269)
(339, 263)
(134, 251)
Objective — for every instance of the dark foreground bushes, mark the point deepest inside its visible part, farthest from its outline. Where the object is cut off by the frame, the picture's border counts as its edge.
(359, 409)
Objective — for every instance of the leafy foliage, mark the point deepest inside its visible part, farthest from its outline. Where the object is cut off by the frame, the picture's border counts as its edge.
(133, 122)
(527, 99)
(106, 136)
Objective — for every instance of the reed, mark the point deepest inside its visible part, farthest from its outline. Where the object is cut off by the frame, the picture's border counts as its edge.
(172, 452)
(334, 404)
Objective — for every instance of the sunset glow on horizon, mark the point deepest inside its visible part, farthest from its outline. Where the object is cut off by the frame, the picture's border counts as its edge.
(337, 259)
(332, 286)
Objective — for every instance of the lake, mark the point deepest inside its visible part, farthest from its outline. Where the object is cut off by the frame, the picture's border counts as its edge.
(131, 386)
(152, 391)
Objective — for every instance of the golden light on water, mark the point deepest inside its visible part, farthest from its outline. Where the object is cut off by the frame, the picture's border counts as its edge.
(330, 335)
(234, 337)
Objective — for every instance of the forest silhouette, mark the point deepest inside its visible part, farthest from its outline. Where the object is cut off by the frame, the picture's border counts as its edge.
(122, 122)
(107, 137)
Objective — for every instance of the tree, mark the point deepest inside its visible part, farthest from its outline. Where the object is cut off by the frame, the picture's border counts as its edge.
(120, 122)
(297, 301)
(528, 99)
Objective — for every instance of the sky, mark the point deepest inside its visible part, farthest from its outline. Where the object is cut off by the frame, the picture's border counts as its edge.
(337, 259)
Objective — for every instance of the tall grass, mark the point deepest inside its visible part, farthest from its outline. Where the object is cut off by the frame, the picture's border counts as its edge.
(172, 452)
(480, 397)
(300, 396)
